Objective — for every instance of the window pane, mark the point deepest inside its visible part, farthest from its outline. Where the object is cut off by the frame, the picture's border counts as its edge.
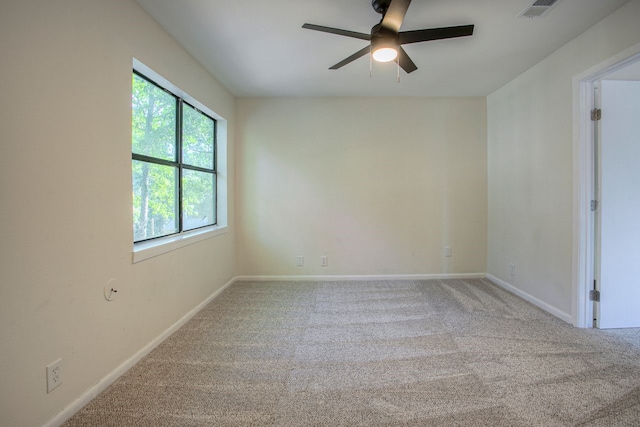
(155, 200)
(153, 120)
(197, 138)
(198, 199)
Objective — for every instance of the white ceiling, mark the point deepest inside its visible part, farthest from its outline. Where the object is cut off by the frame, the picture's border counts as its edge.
(258, 48)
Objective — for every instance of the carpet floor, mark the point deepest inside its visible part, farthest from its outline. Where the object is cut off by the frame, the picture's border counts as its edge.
(396, 353)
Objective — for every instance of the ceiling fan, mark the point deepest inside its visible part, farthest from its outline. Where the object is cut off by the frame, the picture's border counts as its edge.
(386, 39)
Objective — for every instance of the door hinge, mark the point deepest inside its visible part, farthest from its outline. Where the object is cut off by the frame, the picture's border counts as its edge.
(596, 114)
(594, 295)
(594, 205)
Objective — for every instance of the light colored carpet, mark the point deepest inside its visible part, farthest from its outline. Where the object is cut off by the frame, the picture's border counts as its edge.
(424, 353)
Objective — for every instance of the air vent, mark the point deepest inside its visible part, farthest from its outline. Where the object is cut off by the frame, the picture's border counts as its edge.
(538, 8)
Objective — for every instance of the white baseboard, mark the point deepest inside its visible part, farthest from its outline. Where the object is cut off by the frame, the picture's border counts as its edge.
(533, 300)
(90, 394)
(335, 278)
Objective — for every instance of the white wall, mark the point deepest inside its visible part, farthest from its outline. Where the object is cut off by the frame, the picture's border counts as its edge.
(530, 137)
(65, 191)
(379, 185)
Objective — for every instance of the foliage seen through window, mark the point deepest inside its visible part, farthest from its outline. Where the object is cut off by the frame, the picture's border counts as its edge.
(173, 163)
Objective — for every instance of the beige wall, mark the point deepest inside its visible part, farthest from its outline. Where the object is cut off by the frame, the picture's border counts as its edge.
(530, 158)
(65, 192)
(379, 185)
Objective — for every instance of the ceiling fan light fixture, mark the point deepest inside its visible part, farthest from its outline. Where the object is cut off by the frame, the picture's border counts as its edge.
(384, 49)
(385, 54)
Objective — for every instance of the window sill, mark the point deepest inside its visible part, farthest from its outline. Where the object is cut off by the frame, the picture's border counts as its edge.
(150, 249)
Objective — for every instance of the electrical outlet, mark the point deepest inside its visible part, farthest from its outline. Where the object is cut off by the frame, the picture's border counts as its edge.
(300, 261)
(512, 268)
(54, 375)
(448, 252)
(324, 261)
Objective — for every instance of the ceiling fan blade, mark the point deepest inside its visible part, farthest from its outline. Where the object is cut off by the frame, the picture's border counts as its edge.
(393, 17)
(358, 54)
(337, 31)
(405, 62)
(416, 36)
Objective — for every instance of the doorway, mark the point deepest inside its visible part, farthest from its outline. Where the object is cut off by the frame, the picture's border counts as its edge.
(605, 229)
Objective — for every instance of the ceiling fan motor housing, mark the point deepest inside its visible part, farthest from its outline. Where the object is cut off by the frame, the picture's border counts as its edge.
(381, 37)
(379, 31)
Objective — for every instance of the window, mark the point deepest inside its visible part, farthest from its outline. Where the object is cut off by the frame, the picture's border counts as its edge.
(173, 163)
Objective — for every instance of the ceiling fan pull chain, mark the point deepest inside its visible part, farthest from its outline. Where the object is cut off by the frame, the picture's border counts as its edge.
(370, 63)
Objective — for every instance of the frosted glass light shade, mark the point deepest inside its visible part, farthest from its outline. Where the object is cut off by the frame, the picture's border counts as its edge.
(385, 54)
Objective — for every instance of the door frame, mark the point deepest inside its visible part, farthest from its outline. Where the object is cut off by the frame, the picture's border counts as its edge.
(583, 180)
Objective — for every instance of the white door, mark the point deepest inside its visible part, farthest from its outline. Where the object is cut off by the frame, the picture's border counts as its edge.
(619, 208)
